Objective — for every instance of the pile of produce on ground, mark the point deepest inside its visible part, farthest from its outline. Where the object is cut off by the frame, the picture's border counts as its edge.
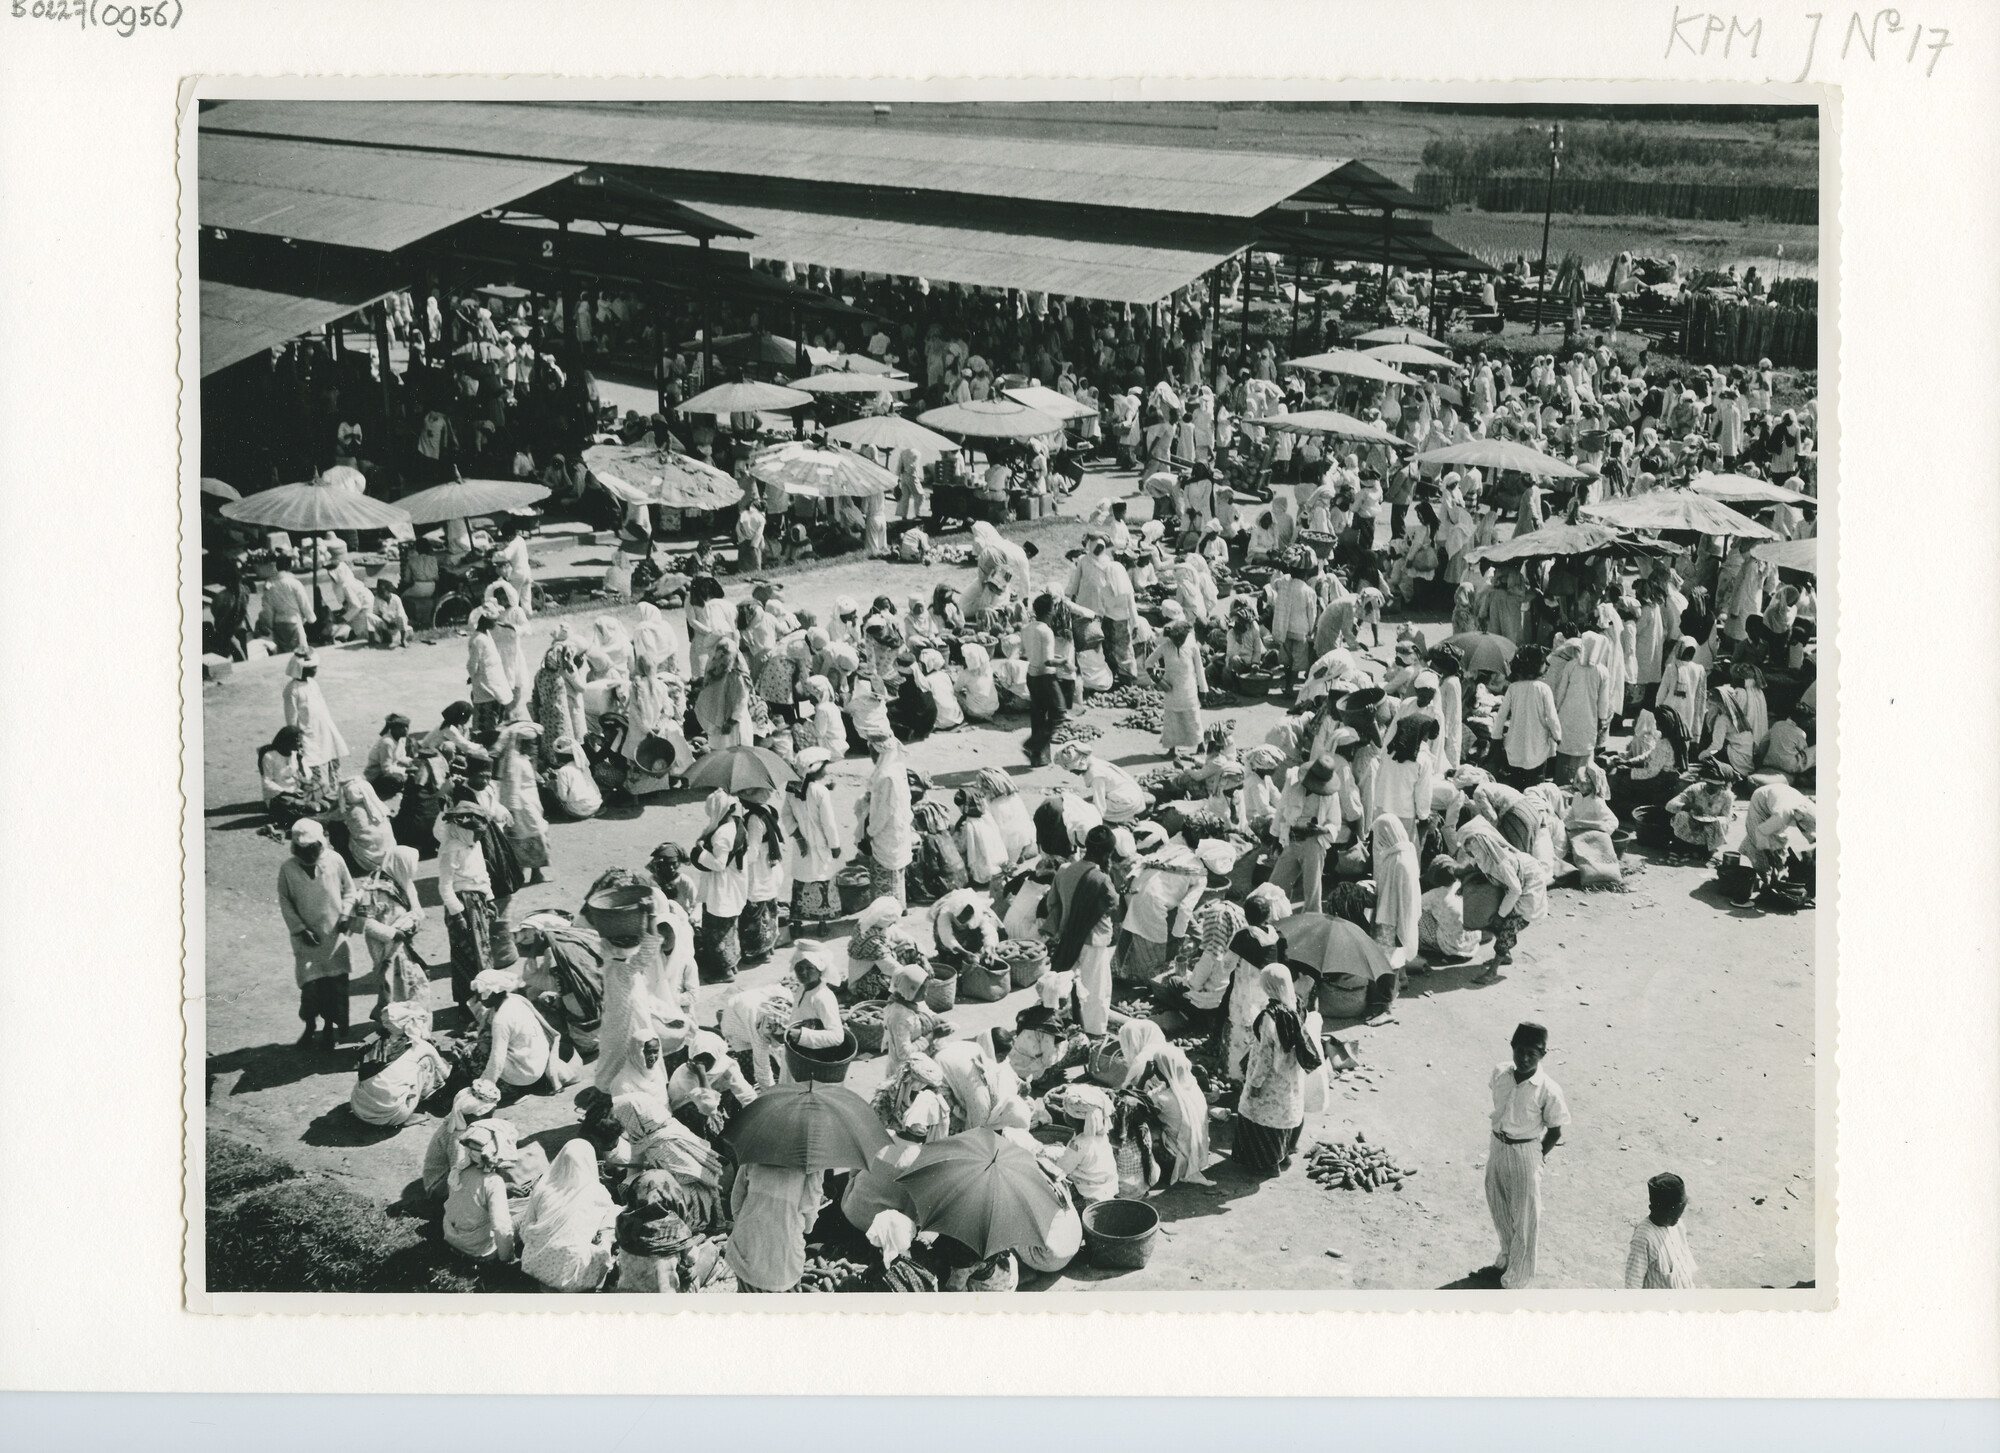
(1145, 719)
(1076, 731)
(1135, 695)
(831, 1274)
(1355, 1166)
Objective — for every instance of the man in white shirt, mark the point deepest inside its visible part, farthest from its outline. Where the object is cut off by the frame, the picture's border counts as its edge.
(1306, 824)
(1529, 1113)
(522, 1053)
(1110, 789)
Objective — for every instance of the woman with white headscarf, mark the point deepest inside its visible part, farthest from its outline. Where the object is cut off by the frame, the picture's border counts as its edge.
(1161, 1072)
(652, 1140)
(473, 1103)
(1398, 890)
(566, 1236)
(521, 794)
(1271, 1110)
(477, 1220)
(811, 834)
(654, 640)
(884, 823)
(400, 1070)
(720, 856)
(976, 686)
(321, 746)
(723, 707)
(510, 631)
(370, 836)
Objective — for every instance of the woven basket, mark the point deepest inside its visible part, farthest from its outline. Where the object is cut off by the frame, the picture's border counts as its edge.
(982, 985)
(1027, 960)
(941, 995)
(868, 1034)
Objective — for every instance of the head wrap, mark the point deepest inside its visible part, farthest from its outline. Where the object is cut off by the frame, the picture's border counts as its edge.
(1073, 757)
(891, 1232)
(488, 982)
(908, 981)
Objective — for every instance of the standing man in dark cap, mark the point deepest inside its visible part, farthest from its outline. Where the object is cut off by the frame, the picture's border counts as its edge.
(1529, 1113)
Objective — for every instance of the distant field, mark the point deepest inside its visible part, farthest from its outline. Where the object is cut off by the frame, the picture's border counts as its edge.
(1391, 141)
(1497, 236)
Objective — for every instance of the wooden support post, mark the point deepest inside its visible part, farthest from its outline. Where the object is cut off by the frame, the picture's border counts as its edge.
(707, 322)
(1214, 325)
(656, 309)
(1244, 358)
(1298, 270)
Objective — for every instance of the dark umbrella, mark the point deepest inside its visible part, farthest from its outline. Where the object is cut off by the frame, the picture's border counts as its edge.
(1338, 951)
(1484, 652)
(735, 768)
(983, 1190)
(809, 1126)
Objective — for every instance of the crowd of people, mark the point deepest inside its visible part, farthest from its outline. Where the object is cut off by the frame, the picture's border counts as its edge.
(1431, 800)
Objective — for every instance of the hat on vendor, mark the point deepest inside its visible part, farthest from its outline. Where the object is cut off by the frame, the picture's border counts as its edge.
(1148, 837)
(488, 982)
(1218, 856)
(845, 606)
(307, 832)
(1073, 757)
(1153, 531)
(1124, 848)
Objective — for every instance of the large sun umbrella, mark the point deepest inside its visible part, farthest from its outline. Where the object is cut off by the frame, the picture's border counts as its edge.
(216, 489)
(892, 432)
(464, 498)
(317, 505)
(1553, 539)
(1677, 509)
(1412, 355)
(735, 768)
(754, 348)
(680, 480)
(744, 398)
(808, 1126)
(1352, 365)
(821, 470)
(1738, 489)
(1802, 555)
(345, 476)
(826, 360)
(853, 383)
(1055, 405)
(991, 419)
(1401, 335)
(1501, 454)
(984, 1190)
(1327, 421)
(1339, 952)
(1484, 653)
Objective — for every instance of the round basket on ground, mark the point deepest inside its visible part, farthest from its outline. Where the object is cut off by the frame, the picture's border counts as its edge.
(1027, 960)
(1107, 1064)
(941, 994)
(1120, 1233)
(856, 890)
(1735, 877)
(1057, 1135)
(828, 1066)
(985, 983)
(864, 1022)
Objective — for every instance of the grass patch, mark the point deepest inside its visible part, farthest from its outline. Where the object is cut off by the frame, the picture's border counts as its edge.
(273, 1229)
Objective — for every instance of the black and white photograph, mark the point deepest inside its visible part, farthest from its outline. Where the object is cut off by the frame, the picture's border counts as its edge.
(1081, 699)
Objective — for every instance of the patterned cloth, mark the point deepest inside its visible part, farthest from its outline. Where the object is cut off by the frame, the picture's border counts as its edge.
(757, 929)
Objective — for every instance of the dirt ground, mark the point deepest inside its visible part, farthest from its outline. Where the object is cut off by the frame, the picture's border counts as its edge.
(1681, 1029)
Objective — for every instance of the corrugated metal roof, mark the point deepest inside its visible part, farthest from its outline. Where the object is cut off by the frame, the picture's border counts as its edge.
(1118, 272)
(238, 322)
(1151, 178)
(1408, 243)
(351, 196)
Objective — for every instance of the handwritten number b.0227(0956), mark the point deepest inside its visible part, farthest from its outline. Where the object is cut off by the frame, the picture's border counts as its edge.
(122, 20)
